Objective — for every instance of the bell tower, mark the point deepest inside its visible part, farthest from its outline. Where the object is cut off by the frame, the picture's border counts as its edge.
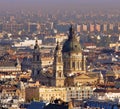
(36, 61)
(58, 76)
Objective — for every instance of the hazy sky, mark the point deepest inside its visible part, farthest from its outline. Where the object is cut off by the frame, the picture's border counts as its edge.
(9, 4)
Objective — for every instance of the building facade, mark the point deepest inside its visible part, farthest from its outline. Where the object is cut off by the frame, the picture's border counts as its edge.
(73, 59)
(58, 76)
(36, 62)
(69, 65)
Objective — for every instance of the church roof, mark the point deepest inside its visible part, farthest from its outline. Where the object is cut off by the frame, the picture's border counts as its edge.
(6, 61)
(71, 44)
(36, 105)
(83, 76)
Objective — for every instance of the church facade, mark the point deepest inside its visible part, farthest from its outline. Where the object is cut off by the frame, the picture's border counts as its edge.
(69, 66)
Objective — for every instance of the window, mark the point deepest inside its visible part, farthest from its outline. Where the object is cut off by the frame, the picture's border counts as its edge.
(38, 58)
(59, 59)
(75, 46)
(78, 65)
(38, 72)
(33, 57)
(59, 74)
(68, 64)
(64, 64)
(73, 65)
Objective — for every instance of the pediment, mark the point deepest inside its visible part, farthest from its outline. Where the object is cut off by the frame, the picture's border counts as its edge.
(83, 76)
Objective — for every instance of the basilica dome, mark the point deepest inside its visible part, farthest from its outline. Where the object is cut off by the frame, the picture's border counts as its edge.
(71, 44)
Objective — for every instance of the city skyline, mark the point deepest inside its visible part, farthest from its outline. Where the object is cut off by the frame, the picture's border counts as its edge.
(59, 54)
(37, 4)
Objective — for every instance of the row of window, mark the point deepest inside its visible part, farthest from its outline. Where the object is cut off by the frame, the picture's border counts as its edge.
(75, 65)
(52, 95)
(36, 57)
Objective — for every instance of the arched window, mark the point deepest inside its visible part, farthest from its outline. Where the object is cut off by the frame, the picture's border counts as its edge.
(59, 74)
(59, 59)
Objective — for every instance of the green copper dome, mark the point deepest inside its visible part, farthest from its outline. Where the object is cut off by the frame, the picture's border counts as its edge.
(71, 44)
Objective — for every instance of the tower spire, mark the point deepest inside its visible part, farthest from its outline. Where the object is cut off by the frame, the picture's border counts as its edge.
(18, 63)
(101, 79)
(58, 76)
(36, 45)
(58, 45)
(36, 42)
(71, 32)
(36, 61)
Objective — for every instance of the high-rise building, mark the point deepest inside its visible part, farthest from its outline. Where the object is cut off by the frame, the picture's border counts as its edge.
(111, 27)
(105, 27)
(119, 27)
(98, 27)
(84, 27)
(1, 27)
(12, 27)
(92, 27)
(32, 27)
(78, 28)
